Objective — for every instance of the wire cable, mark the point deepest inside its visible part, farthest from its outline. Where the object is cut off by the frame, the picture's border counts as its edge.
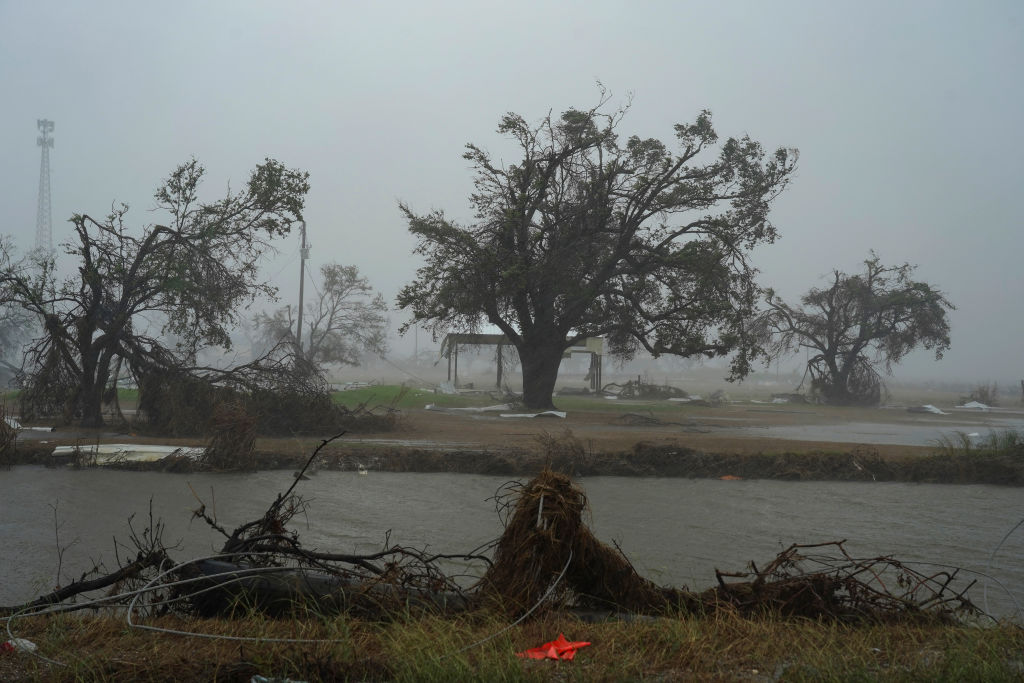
(520, 619)
(988, 568)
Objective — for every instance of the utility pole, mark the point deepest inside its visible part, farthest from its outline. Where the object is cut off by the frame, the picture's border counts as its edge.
(303, 255)
(44, 232)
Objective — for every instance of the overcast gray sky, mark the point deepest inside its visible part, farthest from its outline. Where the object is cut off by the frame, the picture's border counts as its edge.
(909, 118)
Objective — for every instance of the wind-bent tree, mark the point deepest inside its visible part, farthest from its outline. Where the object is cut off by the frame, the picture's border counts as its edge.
(344, 320)
(185, 279)
(589, 236)
(858, 322)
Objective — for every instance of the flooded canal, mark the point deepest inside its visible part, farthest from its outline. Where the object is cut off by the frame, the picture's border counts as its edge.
(675, 531)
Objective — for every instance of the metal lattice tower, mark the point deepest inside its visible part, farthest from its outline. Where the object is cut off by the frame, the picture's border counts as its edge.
(44, 228)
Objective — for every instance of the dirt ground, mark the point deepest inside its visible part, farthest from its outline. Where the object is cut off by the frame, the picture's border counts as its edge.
(735, 428)
(712, 429)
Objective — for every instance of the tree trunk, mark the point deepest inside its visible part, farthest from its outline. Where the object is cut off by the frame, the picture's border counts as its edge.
(90, 397)
(91, 403)
(540, 371)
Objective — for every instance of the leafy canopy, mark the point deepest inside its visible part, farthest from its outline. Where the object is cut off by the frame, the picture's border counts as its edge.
(588, 234)
(133, 290)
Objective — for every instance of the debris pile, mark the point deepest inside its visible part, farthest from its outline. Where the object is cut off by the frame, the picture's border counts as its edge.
(282, 391)
(547, 554)
(842, 587)
(232, 444)
(644, 389)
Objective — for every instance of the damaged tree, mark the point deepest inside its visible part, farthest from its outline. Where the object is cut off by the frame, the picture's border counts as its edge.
(186, 278)
(588, 236)
(344, 320)
(860, 321)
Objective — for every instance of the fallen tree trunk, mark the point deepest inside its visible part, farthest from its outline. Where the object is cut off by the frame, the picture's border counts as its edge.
(156, 559)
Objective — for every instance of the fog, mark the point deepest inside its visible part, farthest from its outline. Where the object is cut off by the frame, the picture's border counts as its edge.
(907, 117)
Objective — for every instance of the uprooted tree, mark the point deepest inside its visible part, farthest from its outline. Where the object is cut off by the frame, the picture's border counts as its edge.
(858, 322)
(589, 236)
(343, 321)
(132, 290)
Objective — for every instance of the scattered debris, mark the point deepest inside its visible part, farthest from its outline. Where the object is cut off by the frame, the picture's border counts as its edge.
(789, 398)
(110, 453)
(642, 388)
(469, 409)
(547, 413)
(927, 408)
(23, 645)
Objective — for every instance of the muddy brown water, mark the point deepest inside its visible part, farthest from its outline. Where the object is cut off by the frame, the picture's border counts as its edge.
(675, 531)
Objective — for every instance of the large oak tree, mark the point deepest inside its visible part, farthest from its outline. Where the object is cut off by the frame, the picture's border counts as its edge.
(132, 290)
(858, 322)
(589, 235)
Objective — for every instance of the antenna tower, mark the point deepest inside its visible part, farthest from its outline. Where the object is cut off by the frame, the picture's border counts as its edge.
(44, 232)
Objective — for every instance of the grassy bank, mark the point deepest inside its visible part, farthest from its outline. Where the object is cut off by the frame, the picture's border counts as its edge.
(434, 649)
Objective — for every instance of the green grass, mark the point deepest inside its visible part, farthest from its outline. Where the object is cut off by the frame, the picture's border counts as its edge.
(482, 647)
(128, 395)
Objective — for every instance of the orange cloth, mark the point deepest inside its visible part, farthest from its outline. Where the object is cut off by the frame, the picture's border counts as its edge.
(556, 649)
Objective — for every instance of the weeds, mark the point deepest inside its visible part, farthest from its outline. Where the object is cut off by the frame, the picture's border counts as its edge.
(1006, 442)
